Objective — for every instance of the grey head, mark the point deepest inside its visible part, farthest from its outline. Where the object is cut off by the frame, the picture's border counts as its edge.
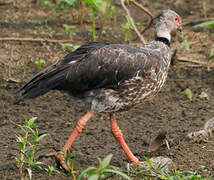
(167, 21)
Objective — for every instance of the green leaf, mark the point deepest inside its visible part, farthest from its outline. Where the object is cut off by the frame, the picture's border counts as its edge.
(70, 2)
(29, 173)
(85, 172)
(149, 162)
(18, 126)
(21, 144)
(204, 95)
(69, 46)
(42, 136)
(32, 120)
(92, 5)
(94, 177)
(106, 160)
(208, 23)
(100, 163)
(188, 93)
(116, 172)
(29, 154)
(211, 57)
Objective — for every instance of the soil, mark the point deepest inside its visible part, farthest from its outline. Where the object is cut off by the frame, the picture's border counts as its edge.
(57, 113)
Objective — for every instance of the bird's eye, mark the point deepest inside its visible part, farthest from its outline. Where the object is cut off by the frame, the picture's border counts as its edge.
(177, 19)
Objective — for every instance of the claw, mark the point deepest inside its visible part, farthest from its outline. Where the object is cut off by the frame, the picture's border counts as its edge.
(138, 163)
(60, 159)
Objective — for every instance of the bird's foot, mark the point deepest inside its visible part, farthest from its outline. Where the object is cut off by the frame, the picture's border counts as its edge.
(60, 160)
(138, 163)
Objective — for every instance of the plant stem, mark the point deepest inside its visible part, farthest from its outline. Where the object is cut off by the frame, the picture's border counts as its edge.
(22, 153)
(93, 27)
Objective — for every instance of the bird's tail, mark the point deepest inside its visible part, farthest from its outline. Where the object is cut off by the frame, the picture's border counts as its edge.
(44, 81)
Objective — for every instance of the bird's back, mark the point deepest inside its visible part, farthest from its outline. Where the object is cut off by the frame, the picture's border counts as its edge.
(125, 74)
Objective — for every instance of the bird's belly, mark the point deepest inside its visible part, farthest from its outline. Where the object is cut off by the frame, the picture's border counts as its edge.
(129, 94)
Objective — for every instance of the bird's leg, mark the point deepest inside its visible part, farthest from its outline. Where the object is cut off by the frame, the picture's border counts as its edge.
(119, 136)
(78, 129)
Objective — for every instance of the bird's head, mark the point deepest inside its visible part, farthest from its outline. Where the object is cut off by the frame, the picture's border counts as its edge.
(167, 21)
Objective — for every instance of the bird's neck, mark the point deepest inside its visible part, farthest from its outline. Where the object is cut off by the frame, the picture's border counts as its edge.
(163, 32)
(163, 35)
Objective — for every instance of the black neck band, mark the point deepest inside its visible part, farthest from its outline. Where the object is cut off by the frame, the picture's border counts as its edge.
(164, 40)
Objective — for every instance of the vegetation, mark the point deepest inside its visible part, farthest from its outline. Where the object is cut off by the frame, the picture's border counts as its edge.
(187, 93)
(161, 172)
(39, 64)
(104, 170)
(211, 25)
(28, 141)
(68, 46)
(127, 28)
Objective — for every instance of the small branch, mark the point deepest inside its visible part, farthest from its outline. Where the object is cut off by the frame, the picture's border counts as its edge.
(186, 59)
(147, 12)
(132, 22)
(187, 22)
(35, 40)
(204, 4)
(142, 8)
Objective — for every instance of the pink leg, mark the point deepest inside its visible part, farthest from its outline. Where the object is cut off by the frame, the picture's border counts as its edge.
(119, 137)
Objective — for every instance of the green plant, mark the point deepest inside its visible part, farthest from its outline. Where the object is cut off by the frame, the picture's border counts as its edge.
(93, 4)
(207, 24)
(211, 54)
(127, 28)
(204, 95)
(69, 29)
(70, 160)
(70, 2)
(28, 141)
(103, 171)
(149, 171)
(104, 7)
(51, 170)
(187, 93)
(186, 44)
(50, 31)
(40, 63)
(69, 46)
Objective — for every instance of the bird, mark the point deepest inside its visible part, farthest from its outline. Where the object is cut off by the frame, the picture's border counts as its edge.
(109, 78)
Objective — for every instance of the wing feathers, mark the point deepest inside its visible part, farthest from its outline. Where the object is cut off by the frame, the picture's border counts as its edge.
(93, 65)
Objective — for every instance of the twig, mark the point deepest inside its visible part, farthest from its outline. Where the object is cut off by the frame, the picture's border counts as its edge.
(209, 150)
(187, 22)
(35, 40)
(132, 22)
(204, 4)
(186, 59)
(207, 64)
(147, 12)
(142, 8)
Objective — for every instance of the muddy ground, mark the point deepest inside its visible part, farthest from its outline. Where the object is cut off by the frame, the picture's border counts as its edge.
(57, 113)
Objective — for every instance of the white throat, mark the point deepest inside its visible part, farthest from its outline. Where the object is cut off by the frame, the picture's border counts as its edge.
(164, 34)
